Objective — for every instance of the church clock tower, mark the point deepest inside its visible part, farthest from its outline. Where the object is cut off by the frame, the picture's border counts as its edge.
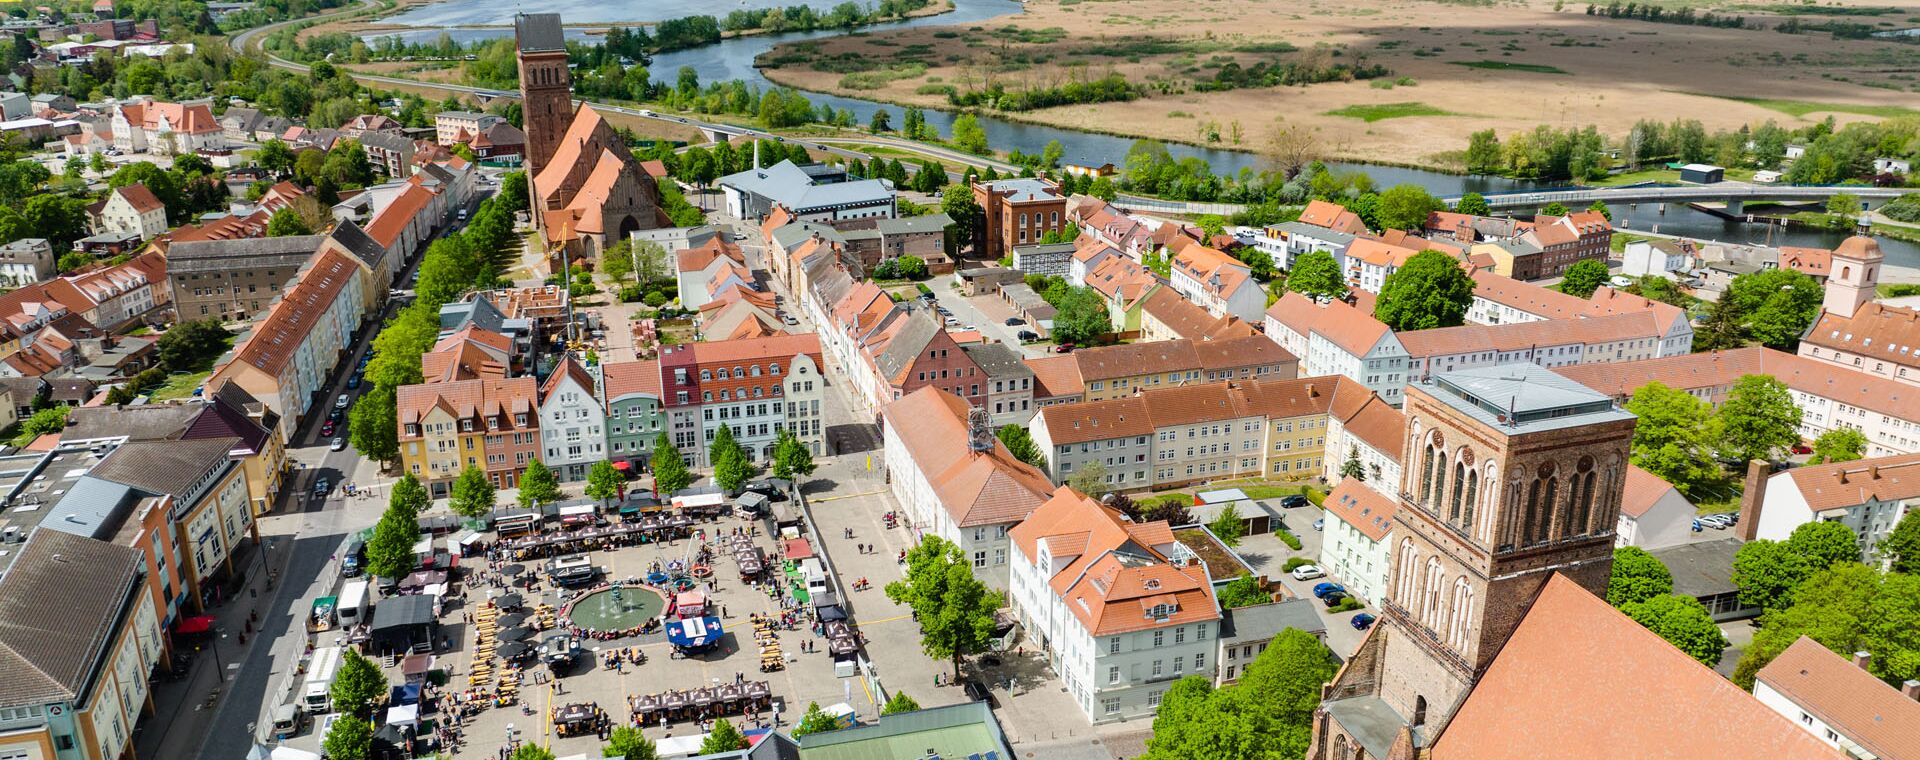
(546, 88)
(1513, 473)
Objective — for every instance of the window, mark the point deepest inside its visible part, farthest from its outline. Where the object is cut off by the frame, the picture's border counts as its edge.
(1157, 668)
(1113, 645)
(1159, 638)
(980, 559)
(1110, 705)
(1113, 674)
(1200, 661)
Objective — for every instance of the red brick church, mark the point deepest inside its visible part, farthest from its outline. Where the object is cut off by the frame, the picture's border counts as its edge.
(588, 190)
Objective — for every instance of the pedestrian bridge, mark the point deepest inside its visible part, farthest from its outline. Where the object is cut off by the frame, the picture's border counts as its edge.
(1734, 194)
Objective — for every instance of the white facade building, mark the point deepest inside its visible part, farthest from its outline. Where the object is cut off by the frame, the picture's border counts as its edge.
(573, 424)
(1358, 532)
(1868, 496)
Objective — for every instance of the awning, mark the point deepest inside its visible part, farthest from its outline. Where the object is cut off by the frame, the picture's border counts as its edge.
(200, 624)
(623, 465)
(694, 632)
(798, 548)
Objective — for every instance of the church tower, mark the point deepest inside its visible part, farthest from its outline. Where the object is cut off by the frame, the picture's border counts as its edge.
(1855, 273)
(546, 87)
(1513, 473)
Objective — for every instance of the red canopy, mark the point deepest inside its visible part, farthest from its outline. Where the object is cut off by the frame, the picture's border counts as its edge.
(798, 548)
(623, 465)
(200, 624)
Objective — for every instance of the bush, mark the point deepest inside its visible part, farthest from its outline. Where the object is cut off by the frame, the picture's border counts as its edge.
(1295, 562)
(922, 287)
(655, 299)
(1292, 541)
(1347, 604)
(631, 293)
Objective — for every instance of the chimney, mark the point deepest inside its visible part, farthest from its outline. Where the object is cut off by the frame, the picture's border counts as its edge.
(1753, 500)
(1911, 688)
(1873, 472)
(1311, 392)
(1861, 658)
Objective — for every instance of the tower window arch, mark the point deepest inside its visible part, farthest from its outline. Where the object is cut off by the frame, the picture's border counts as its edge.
(1419, 711)
(1459, 485)
(1846, 272)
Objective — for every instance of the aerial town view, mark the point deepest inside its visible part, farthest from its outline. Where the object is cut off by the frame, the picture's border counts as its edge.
(960, 379)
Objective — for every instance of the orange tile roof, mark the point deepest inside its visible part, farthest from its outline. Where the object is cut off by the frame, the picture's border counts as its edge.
(142, 199)
(1358, 505)
(471, 399)
(1124, 417)
(1717, 371)
(1582, 678)
(1332, 216)
(1149, 410)
(1354, 331)
(398, 213)
(1643, 490)
(1885, 333)
(1379, 253)
(625, 378)
(286, 325)
(1449, 341)
(1055, 376)
(1377, 423)
(1187, 320)
(699, 258)
(1117, 575)
(778, 346)
(1812, 261)
(1846, 697)
(1122, 277)
(1848, 484)
(975, 488)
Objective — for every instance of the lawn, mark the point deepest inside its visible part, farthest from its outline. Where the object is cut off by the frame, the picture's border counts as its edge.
(1254, 489)
(1531, 68)
(179, 385)
(1383, 111)
(1800, 108)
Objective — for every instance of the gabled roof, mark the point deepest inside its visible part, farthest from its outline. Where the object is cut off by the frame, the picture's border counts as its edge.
(349, 237)
(1644, 489)
(1113, 574)
(140, 198)
(1187, 320)
(975, 487)
(278, 333)
(1845, 484)
(60, 605)
(569, 369)
(1332, 216)
(471, 399)
(1847, 698)
(400, 212)
(165, 468)
(1056, 376)
(629, 378)
(1358, 505)
(1884, 333)
(909, 338)
(1354, 331)
(1582, 678)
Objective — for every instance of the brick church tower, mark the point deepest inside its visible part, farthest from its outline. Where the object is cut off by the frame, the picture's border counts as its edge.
(546, 88)
(1513, 473)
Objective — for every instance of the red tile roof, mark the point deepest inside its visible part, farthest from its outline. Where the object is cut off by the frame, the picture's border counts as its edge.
(140, 198)
(1358, 505)
(975, 488)
(471, 399)
(624, 378)
(1332, 216)
(398, 213)
(1118, 571)
(286, 325)
(1847, 698)
(1644, 489)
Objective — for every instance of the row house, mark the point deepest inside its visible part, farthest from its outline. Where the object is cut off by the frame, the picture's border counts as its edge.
(756, 387)
(445, 428)
(1354, 542)
(1551, 343)
(1089, 253)
(635, 411)
(1010, 394)
(1119, 370)
(1122, 610)
(709, 268)
(469, 353)
(234, 279)
(1332, 216)
(1286, 242)
(1564, 241)
(956, 480)
(1334, 338)
(1867, 496)
(1218, 282)
(455, 127)
(1165, 315)
(1123, 232)
(390, 152)
(284, 359)
(1368, 262)
(1499, 300)
(573, 421)
(1171, 436)
(1124, 286)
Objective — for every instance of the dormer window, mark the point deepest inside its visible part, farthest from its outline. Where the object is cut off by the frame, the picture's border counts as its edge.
(413, 429)
(774, 368)
(520, 419)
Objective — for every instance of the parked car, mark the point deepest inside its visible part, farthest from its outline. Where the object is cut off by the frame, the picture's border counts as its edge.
(1064, 348)
(336, 444)
(953, 321)
(1801, 448)
(353, 382)
(1362, 621)
(1321, 590)
(322, 486)
(343, 401)
(326, 428)
(336, 414)
(1295, 501)
(790, 320)
(1621, 281)
(1028, 335)
(1333, 600)
(1308, 572)
(978, 692)
(1015, 321)
(1715, 522)
(1320, 524)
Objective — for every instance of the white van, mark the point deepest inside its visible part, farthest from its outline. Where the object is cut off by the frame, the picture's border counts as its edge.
(353, 604)
(287, 721)
(320, 673)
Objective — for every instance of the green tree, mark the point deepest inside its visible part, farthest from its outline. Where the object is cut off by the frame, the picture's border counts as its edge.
(670, 473)
(731, 468)
(955, 610)
(791, 458)
(1772, 306)
(350, 738)
(1406, 207)
(275, 157)
(390, 549)
(408, 495)
(1824, 544)
(1901, 548)
(286, 222)
(473, 494)
(1766, 572)
(1315, 274)
(1846, 608)
(1020, 444)
(1473, 203)
(1637, 577)
(531, 751)
(1844, 204)
(605, 483)
(1684, 623)
(1673, 437)
(956, 201)
(1758, 419)
(1839, 445)
(814, 721)
(1268, 714)
(723, 738)
(1229, 527)
(1352, 467)
(968, 136)
(617, 262)
(627, 743)
(1601, 207)
(357, 684)
(881, 122)
(1429, 291)
(1243, 591)
(1483, 154)
(899, 703)
(1090, 479)
(1583, 278)
(372, 425)
(1080, 316)
(191, 346)
(1051, 154)
(538, 485)
(73, 261)
(1555, 208)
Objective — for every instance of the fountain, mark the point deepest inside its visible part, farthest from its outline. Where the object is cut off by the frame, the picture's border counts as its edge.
(616, 608)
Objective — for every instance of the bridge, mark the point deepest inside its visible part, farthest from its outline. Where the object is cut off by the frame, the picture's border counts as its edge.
(1734, 194)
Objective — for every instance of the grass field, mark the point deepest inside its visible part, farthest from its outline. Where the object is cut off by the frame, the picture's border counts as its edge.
(1800, 108)
(179, 386)
(1531, 68)
(1384, 111)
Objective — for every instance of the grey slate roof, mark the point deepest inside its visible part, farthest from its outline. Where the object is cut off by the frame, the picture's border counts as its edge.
(1701, 568)
(907, 225)
(536, 32)
(1023, 189)
(146, 422)
(1264, 621)
(164, 468)
(790, 235)
(998, 361)
(1523, 397)
(241, 253)
(387, 141)
(788, 185)
(349, 236)
(907, 344)
(48, 657)
(480, 312)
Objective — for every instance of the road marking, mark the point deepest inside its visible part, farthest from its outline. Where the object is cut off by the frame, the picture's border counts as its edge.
(846, 496)
(864, 623)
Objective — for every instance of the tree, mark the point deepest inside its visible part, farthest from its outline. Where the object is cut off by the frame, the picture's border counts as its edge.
(627, 743)
(1637, 577)
(955, 610)
(1601, 208)
(1673, 436)
(723, 738)
(899, 703)
(1405, 207)
(357, 684)
(73, 260)
(371, 425)
(1020, 444)
(1584, 277)
(1316, 275)
(731, 468)
(513, 191)
(1824, 544)
(1843, 204)
(881, 122)
(1684, 623)
(473, 494)
(189, 346)
(1847, 608)
(351, 738)
(1080, 316)
(1090, 479)
(1229, 527)
(1758, 419)
(1429, 291)
(286, 222)
(670, 473)
(1290, 148)
(1839, 445)
(390, 549)
(408, 495)
(617, 262)
(791, 457)
(1243, 591)
(968, 136)
(1773, 306)
(274, 156)
(1901, 548)
(1474, 204)
(1555, 208)
(1268, 714)
(538, 485)
(605, 483)
(814, 721)
(1766, 572)
(956, 201)
(1483, 153)
(1352, 468)
(531, 751)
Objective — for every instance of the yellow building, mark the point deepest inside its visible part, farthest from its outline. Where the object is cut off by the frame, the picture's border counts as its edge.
(1295, 446)
(1119, 371)
(210, 496)
(438, 437)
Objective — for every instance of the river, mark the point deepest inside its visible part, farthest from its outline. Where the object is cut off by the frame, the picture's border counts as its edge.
(733, 59)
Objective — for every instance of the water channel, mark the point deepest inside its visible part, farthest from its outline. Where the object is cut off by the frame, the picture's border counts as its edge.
(733, 59)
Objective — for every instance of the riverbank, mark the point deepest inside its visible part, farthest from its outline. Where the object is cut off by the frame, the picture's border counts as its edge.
(384, 25)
